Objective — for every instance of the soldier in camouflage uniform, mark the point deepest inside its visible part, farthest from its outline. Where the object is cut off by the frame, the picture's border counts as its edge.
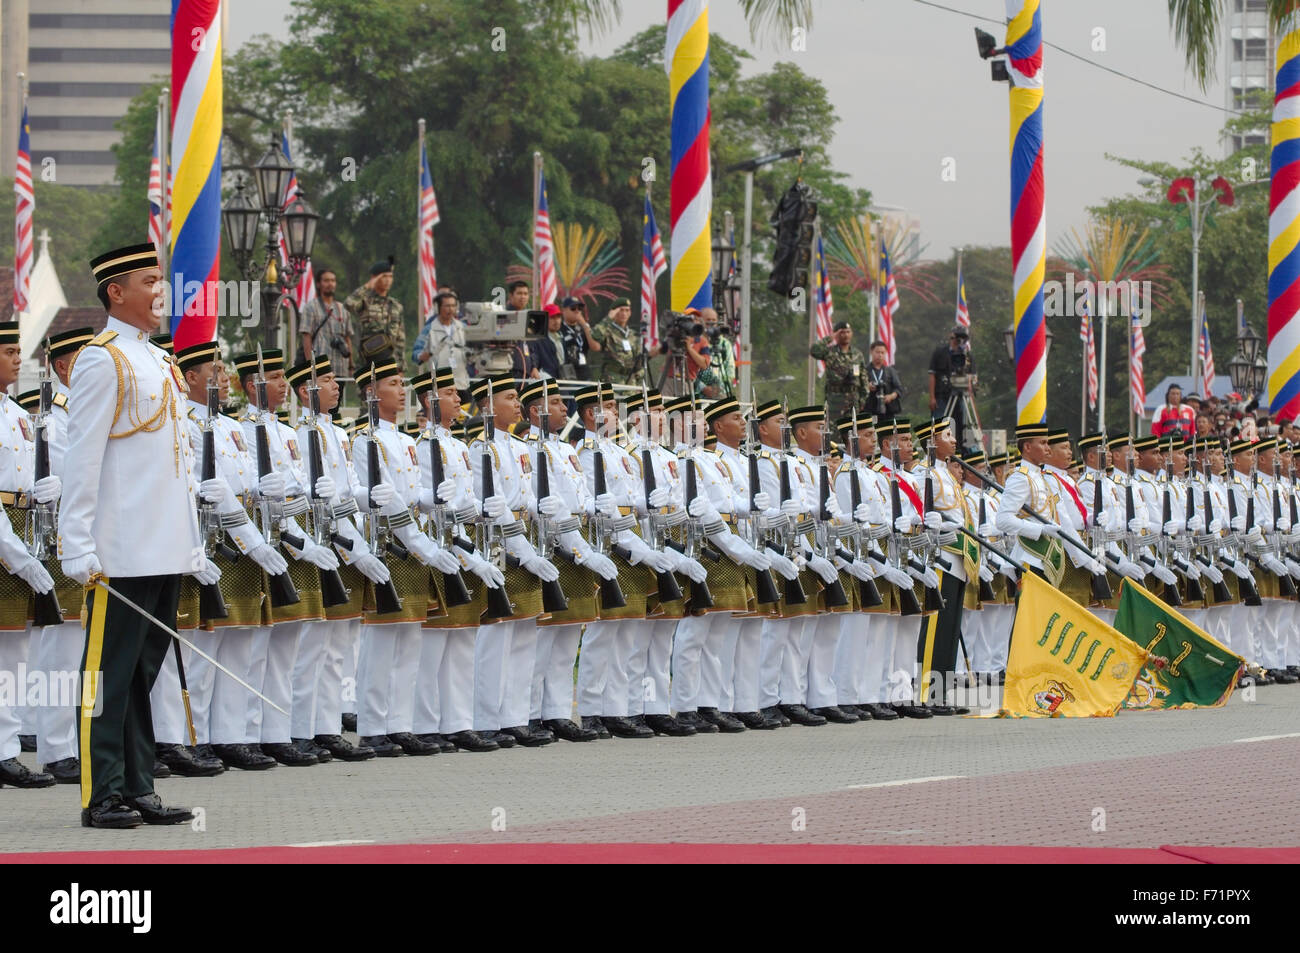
(376, 313)
(620, 345)
(846, 374)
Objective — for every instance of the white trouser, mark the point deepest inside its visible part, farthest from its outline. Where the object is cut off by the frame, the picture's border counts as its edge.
(1197, 617)
(305, 680)
(202, 677)
(386, 666)
(879, 659)
(228, 711)
(351, 662)
(1273, 651)
(57, 652)
(257, 663)
(517, 701)
(794, 662)
(744, 679)
(774, 636)
(13, 653)
(456, 681)
(277, 683)
(688, 659)
(1261, 631)
(1105, 615)
(427, 717)
(902, 664)
(972, 634)
(165, 701)
(649, 690)
(491, 670)
(1291, 650)
(997, 633)
(27, 713)
(637, 642)
(627, 643)
(821, 691)
(719, 642)
(595, 658)
(850, 659)
(1235, 629)
(333, 694)
(552, 691)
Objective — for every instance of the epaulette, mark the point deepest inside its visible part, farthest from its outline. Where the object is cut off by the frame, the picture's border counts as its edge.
(877, 467)
(588, 443)
(764, 455)
(102, 338)
(192, 415)
(531, 438)
(1022, 468)
(60, 400)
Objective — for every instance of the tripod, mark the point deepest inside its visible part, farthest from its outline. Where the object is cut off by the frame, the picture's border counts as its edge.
(960, 407)
(672, 378)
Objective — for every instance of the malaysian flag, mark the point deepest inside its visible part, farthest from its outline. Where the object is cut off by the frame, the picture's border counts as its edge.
(653, 264)
(429, 217)
(1205, 355)
(24, 206)
(963, 312)
(306, 288)
(1090, 353)
(155, 193)
(825, 306)
(544, 248)
(888, 305)
(1137, 347)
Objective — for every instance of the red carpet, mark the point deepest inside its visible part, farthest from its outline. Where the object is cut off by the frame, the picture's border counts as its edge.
(670, 854)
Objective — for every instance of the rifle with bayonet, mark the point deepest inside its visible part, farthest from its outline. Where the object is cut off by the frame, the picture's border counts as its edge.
(491, 536)
(1246, 584)
(212, 605)
(701, 598)
(41, 531)
(868, 593)
(454, 590)
(553, 598)
(655, 529)
(270, 511)
(900, 544)
(602, 527)
(822, 532)
(1219, 589)
(1285, 585)
(1165, 543)
(321, 514)
(794, 592)
(934, 600)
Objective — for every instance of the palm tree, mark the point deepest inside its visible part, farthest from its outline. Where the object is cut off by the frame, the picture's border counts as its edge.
(1196, 30)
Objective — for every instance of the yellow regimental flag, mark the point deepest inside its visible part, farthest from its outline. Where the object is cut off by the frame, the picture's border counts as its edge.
(1064, 662)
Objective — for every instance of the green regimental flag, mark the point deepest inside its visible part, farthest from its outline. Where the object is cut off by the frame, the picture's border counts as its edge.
(1198, 671)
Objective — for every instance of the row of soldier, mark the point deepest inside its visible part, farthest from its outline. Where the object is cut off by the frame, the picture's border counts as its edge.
(706, 569)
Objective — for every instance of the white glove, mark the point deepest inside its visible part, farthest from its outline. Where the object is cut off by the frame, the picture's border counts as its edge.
(1212, 572)
(493, 507)
(988, 530)
(1293, 568)
(906, 522)
(1050, 529)
(211, 491)
(1008, 570)
(782, 565)
(1164, 575)
(762, 502)
(1173, 527)
(550, 505)
(823, 568)
(208, 575)
(324, 488)
(431, 554)
(266, 557)
(1196, 524)
(1137, 524)
(986, 572)
(1239, 569)
(926, 578)
(81, 568)
(490, 574)
(692, 569)
(1273, 564)
(319, 556)
(1094, 566)
(659, 497)
(862, 513)
(372, 567)
(50, 488)
(602, 566)
(833, 507)
(1239, 523)
(271, 485)
(859, 569)
(1216, 526)
(759, 559)
(446, 491)
(36, 575)
(699, 508)
(896, 576)
(933, 521)
(540, 568)
(1255, 537)
(790, 508)
(381, 494)
(1132, 570)
(606, 505)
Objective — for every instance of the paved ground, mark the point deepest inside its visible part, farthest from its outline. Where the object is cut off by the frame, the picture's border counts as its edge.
(1221, 777)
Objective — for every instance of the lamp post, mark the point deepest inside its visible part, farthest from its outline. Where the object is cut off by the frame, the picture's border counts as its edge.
(725, 284)
(296, 221)
(1248, 369)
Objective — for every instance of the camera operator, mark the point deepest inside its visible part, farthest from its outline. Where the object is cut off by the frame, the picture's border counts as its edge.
(721, 351)
(951, 370)
(578, 342)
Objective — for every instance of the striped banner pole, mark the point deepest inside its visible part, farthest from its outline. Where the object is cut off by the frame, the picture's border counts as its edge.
(1284, 228)
(690, 185)
(1028, 221)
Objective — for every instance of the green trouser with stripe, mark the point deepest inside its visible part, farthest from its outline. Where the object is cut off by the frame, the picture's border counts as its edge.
(123, 653)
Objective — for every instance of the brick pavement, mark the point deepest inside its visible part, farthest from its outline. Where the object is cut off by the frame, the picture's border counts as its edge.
(1162, 778)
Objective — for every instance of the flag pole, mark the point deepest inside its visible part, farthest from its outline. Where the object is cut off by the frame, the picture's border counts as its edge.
(814, 288)
(532, 226)
(290, 345)
(1102, 369)
(165, 165)
(1083, 379)
(873, 262)
(957, 306)
(419, 189)
(1196, 336)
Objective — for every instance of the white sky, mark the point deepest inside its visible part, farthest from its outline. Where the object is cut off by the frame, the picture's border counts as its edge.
(911, 91)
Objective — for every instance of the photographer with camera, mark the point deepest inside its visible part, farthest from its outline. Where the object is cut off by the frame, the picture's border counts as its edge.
(721, 351)
(952, 371)
(442, 339)
(621, 346)
(578, 339)
(326, 327)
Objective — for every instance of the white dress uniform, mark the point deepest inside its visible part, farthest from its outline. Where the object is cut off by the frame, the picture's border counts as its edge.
(324, 644)
(903, 664)
(57, 648)
(505, 652)
(856, 667)
(1271, 639)
(16, 470)
(877, 662)
(741, 669)
(275, 647)
(816, 679)
(780, 637)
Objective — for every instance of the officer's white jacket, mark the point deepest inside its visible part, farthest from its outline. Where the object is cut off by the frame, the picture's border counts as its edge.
(1025, 488)
(130, 499)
